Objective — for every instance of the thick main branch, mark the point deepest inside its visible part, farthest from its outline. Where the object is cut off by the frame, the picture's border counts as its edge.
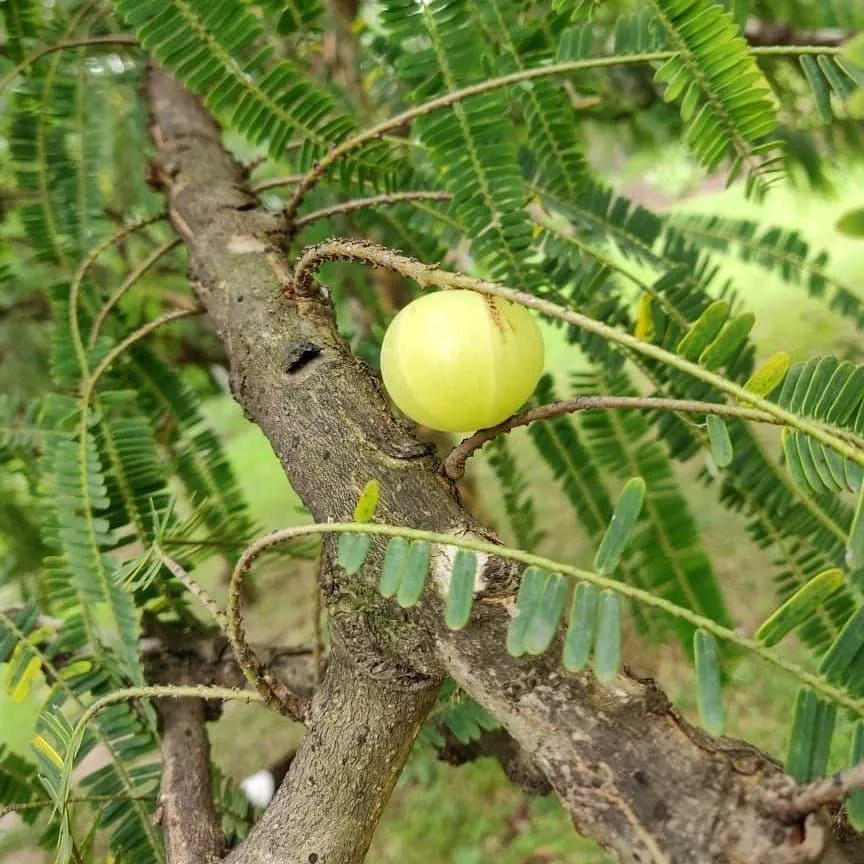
(632, 773)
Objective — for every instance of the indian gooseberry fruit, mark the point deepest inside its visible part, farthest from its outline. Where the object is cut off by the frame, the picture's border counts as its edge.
(456, 361)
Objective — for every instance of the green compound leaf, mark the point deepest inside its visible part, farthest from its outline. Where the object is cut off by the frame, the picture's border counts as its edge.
(721, 443)
(810, 738)
(703, 332)
(527, 600)
(394, 566)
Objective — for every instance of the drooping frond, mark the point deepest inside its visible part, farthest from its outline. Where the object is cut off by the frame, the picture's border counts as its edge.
(19, 783)
(779, 250)
(124, 736)
(547, 110)
(82, 536)
(724, 96)
(558, 443)
(670, 558)
(514, 491)
(470, 146)
(20, 18)
(198, 456)
(824, 389)
(214, 49)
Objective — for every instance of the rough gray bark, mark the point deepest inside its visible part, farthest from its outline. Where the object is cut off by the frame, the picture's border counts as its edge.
(630, 771)
(359, 735)
(191, 827)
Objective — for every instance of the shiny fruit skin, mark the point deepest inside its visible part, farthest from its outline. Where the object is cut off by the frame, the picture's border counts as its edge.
(456, 361)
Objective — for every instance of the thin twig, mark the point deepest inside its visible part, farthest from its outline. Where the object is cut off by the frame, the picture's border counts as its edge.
(831, 790)
(320, 168)
(426, 275)
(127, 283)
(89, 799)
(137, 336)
(275, 182)
(195, 588)
(167, 691)
(254, 669)
(373, 201)
(454, 464)
(284, 535)
(117, 39)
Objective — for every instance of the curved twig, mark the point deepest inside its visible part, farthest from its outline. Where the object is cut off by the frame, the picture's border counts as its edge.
(373, 201)
(284, 535)
(117, 39)
(127, 283)
(454, 464)
(320, 168)
(273, 691)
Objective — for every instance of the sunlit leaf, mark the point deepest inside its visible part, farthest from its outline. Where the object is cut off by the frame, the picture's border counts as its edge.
(805, 602)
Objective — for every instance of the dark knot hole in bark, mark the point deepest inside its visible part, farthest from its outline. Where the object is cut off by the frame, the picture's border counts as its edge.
(299, 355)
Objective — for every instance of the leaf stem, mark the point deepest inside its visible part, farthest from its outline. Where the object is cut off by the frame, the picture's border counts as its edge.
(380, 129)
(284, 535)
(454, 464)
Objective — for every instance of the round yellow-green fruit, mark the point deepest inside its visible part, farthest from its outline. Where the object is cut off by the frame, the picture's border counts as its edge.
(458, 361)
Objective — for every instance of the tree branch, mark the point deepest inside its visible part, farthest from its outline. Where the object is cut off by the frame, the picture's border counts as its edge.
(189, 820)
(631, 772)
(454, 464)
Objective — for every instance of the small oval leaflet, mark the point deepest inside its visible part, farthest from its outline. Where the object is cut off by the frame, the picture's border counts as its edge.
(768, 377)
(460, 596)
(530, 592)
(709, 692)
(855, 802)
(819, 88)
(644, 320)
(731, 338)
(547, 614)
(367, 503)
(351, 551)
(721, 443)
(394, 566)
(414, 577)
(810, 737)
(800, 606)
(580, 628)
(607, 645)
(627, 510)
(707, 326)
